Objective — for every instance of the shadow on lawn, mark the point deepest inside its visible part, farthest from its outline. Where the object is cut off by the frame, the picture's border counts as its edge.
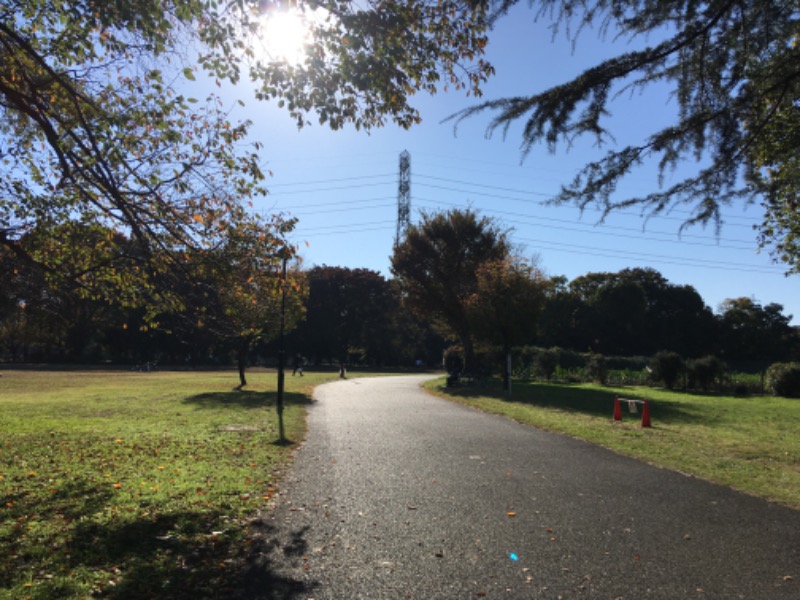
(245, 399)
(594, 402)
(155, 562)
(171, 556)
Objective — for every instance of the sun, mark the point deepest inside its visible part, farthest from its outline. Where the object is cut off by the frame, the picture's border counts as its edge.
(285, 35)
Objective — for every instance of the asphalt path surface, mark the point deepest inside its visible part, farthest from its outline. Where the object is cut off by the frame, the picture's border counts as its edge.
(399, 494)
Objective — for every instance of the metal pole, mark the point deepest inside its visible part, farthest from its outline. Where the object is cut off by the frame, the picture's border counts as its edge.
(281, 357)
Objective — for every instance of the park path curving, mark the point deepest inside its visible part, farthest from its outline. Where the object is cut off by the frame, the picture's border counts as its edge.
(398, 494)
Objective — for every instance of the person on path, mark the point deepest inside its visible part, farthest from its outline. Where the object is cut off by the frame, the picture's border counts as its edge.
(297, 364)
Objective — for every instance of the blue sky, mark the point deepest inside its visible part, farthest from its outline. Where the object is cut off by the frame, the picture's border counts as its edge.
(342, 186)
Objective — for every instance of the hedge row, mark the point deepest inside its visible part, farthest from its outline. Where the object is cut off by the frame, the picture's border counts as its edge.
(706, 374)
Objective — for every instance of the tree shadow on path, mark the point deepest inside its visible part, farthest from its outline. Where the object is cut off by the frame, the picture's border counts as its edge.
(262, 573)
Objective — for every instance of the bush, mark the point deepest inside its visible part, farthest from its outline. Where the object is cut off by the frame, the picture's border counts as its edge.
(783, 379)
(667, 367)
(546, 362)
(596, 369)
(524, 358)
(707, 373)
(628, 377)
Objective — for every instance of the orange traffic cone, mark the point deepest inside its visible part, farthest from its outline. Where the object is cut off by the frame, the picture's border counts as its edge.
(646, 415)
(617, 410)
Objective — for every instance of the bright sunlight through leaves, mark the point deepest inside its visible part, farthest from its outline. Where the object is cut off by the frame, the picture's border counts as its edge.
(285, 36)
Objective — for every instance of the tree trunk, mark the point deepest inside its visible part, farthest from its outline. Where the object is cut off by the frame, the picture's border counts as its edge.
(241, 359)
(469, 351)
(507, 371)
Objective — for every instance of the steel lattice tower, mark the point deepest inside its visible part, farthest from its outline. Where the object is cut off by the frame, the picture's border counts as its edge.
(403, 195)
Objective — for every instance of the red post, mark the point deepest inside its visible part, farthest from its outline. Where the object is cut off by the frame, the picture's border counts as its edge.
(617, 410)
(646, 415)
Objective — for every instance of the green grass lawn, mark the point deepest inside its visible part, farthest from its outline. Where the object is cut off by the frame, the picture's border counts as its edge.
(124, 484)
(748, 443)
(136, 485)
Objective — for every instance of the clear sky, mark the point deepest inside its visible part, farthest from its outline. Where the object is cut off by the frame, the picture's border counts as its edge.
(343, 185)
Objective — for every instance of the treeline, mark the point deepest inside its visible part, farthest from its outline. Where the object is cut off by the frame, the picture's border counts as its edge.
(637, 312)
(351, 315)
(358, 316)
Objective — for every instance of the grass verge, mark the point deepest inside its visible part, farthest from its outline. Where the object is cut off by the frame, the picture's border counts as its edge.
(122, 484)
(750, 444)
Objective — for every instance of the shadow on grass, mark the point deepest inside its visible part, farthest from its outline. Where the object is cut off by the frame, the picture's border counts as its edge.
(158, 563)
(172, 555)
(594, 402)
(245, 399)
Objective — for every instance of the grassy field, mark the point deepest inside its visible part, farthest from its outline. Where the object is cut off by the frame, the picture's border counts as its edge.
(748, 443)
(137, 485)
(123, 484)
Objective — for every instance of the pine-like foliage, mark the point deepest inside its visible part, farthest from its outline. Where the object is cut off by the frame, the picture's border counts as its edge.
(733, 69)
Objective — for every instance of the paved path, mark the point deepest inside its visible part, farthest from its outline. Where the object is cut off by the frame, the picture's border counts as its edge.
(397, 494)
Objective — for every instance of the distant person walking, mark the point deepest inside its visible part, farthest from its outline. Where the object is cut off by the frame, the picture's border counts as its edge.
(297, 365)
(342, 370)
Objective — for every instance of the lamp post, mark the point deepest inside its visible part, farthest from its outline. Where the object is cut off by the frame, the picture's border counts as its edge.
(281, 356)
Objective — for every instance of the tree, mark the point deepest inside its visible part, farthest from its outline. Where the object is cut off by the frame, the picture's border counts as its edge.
(98, 130)
(506, 305)
(558, 325)
(637, 311)
(97, 140)
(752, 332)
(246, 292)
(611, 314)
(775, 170)
(346, 312)
(733, 69)
(49, 316)
(436, 266)
(368, 58)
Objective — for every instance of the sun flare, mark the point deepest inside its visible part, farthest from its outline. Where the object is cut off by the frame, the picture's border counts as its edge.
(285, 37)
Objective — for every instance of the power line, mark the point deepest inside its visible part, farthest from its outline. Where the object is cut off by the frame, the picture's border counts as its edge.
(350, 231)
(523, 192)
(587, 230)
(510, 198)
(366, 204)
(347, 228)
(649, 258)
(326, 181)
(385, 225)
